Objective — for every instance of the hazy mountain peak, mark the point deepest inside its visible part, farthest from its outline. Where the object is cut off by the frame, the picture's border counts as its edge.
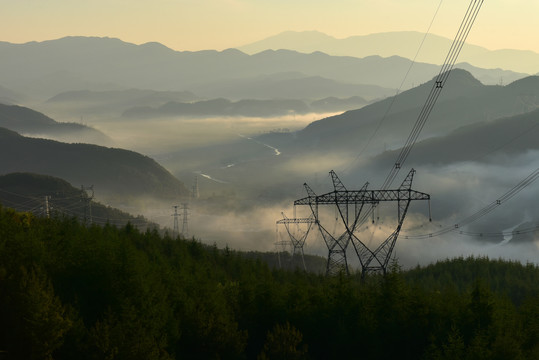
(402, 43)
(77, 40)
(462, 77)
(319, 53)
(303, 35)
(276, 51)
(234, 53)
(156, 46)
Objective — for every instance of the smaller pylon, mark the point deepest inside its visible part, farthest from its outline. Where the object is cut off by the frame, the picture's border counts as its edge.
(87, 202)
(280, 247)
(185, 230)
(175, 231)
(297, 237)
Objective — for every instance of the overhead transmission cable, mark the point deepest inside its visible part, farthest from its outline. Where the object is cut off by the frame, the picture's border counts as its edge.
(485, 210)
(34, 204)
(393, 98)
(439, 82)
(449, 62)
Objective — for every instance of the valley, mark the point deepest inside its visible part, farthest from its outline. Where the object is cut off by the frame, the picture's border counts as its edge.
(249, 159)
(269, 180)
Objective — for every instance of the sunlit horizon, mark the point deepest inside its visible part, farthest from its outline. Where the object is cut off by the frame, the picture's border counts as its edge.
(222, 24)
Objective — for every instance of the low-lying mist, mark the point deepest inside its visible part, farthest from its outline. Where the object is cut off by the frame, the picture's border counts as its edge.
(168, 135)
(245, 182)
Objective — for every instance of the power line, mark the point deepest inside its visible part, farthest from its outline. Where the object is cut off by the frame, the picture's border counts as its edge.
(393, 98)
(485, 210)
(175, 231)
(439, 82)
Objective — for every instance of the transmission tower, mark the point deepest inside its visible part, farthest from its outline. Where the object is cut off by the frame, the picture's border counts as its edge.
(280, 246)
(185, 231)
(175, 231)
(350, 205)
(87, 203)
(297, 237)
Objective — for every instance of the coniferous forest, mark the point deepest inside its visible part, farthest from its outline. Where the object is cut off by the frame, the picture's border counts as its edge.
(71, 291)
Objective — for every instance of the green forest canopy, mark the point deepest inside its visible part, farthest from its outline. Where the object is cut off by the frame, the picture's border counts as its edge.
(73, 291)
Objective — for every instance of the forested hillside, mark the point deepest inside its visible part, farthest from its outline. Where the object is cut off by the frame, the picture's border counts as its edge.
(30, 122)
(117, 172)
(34, 193)
(68, 291)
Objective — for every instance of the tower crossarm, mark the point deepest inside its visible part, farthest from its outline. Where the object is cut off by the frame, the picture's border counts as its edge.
(362, 197)
(309, 220)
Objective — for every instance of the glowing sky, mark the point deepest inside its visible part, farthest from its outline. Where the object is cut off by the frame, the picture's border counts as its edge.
(220, 24)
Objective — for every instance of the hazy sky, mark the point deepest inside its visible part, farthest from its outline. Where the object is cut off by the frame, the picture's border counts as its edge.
(221, 24)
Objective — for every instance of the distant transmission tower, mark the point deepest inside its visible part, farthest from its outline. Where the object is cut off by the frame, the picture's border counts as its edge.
(175, 231)
(297, 237)
(185, 231)
(280, 247)
(87, 203)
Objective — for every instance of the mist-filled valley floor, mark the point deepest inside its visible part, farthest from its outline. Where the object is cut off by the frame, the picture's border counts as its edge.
(248, 170)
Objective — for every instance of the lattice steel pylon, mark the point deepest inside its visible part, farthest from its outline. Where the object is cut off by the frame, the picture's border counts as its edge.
(87, 203)
(370, 260)
(175, 231)
(280, 246)
(297, 238)
(185, 214)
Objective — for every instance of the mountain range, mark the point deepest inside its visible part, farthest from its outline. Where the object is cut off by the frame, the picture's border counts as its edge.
(479, 142)
(464, 101)
(97, 103)
(245, 108)
(41, 70)
(403, 43)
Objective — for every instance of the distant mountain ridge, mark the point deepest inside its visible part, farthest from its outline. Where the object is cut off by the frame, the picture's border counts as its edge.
(290, 85)
(403, 43)
(74, 63)
(481, 141)
(91, 104)
(463, 102)
(245, 108)
(129, 96)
